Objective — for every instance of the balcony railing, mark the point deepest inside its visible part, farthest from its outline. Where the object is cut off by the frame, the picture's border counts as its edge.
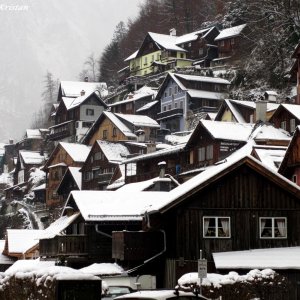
(66, 245)
(62, 130)
(170, 113)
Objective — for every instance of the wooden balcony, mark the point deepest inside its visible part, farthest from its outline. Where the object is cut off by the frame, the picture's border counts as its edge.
(62, 130)
(65, 245)
(176, 112)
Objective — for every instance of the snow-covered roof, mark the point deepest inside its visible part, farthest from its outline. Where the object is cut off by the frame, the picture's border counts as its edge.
(228, 130)
(32, 157)
(132, 56)
(74, 88)
(177, 138)
(170, 150)
(147, 106)
(269, 132)
(206, 94)
(33, 134)
(230, 32)
(189, 37)
(138, 120)
(114, 152)
(121, 126)
(28, 265)
(71, 103)
(113, 206)
(252, 104)
(103, 269)
(294, 109)
(271, 157)
(57, 227)
(22, 240)
(275, 258)
(203, 78)
(165, 41)
(78, 152)
(76, 175)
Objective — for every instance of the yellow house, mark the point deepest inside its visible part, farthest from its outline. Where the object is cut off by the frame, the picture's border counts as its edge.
(157, 53)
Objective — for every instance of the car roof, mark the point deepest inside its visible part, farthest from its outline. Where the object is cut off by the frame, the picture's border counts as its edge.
(157, 294)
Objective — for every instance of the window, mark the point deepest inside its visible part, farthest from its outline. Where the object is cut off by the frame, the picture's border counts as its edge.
(104, 134)
(232, 41)
(87, 176)
(165, 108)
(294, 178)
(175, 89)
(170, 91)
(152, 58)
(283, 125)
(209, 152)
(189, 44)
(157, 56)
(89, 112)
(292, 125)
(201, 154)
(216, 227)
(272, 228)
(166, 94)
(98, 156)
(114, 131)
(201, 51)
(222, 43)
(175, 105)
(145, 60)
(169, 107)
(181, 55)
(181, 104)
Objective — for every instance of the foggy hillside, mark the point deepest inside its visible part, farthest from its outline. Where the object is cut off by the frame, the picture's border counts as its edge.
(48, 35)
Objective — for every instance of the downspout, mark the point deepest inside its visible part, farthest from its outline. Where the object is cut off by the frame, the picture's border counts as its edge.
(101, 232)
(156, 255)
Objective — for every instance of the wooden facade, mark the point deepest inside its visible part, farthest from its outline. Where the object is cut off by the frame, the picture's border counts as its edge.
(55, 169)
(245, 194)
(286, 117)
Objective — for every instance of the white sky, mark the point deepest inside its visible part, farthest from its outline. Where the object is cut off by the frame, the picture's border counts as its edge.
(54, 35)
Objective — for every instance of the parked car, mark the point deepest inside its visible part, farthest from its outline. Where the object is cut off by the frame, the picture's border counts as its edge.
(161, 295)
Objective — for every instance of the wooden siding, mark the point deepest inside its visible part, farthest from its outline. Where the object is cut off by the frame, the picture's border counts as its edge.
(244, 196)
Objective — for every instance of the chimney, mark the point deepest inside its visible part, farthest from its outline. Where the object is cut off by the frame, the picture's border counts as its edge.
(172, 32)
(11, 141)
(162, 169)
(86, 79)
(82, 93)
(261, 110)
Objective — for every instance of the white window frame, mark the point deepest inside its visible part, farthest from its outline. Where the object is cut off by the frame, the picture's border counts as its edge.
(201, 154)
(216, 236)
(272, 228)
(209, 152)
(292, 125)
(283, 125)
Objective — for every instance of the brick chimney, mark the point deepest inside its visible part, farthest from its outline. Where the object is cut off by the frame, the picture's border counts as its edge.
(82, 93)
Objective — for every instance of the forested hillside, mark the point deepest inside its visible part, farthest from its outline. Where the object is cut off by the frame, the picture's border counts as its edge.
(273, 31)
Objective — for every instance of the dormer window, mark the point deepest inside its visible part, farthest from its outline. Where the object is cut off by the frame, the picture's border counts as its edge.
(89, 112)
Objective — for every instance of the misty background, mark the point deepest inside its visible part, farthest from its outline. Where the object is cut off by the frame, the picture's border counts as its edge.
(49, 35)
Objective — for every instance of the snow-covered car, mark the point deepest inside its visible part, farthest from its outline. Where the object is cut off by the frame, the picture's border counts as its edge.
(161, 295)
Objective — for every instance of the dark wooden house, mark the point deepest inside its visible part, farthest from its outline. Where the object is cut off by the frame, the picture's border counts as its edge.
(287, 117)
(64, 155)
(101, 164)
(230, 42)
(290, 166)
(237, 205)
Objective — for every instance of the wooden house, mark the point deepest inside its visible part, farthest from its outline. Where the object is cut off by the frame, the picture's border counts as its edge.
(243, 111)
(34, 140)
(236, 205)
(230, 41)
(101, 164)
(22, 243)
(87, 239)
(290, 166)
(71, 181)
(64, 155)
(287, 117)
(134, 101)
(120, 127)
(181, 96)
(75, 113)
